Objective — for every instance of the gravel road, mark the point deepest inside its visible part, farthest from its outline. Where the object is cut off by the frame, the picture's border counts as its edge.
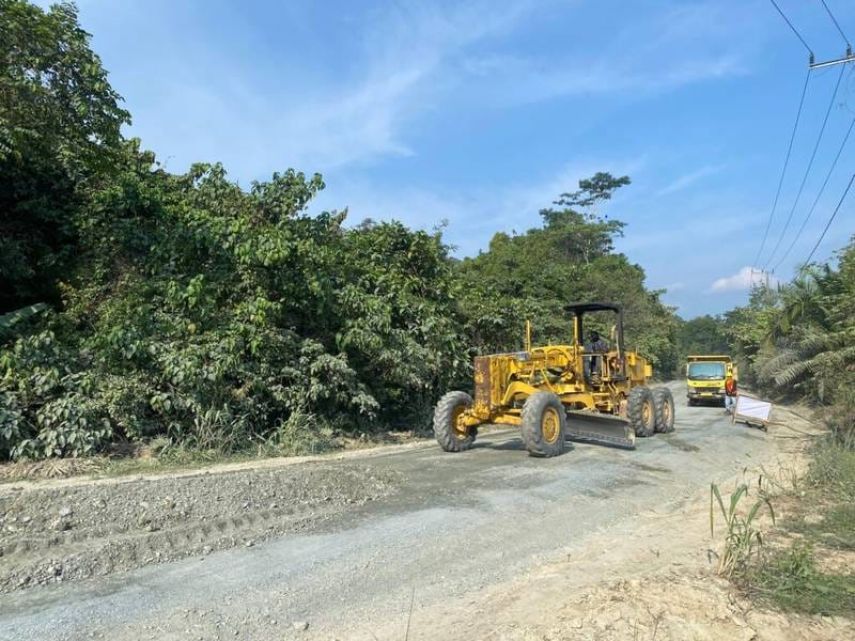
(334, 549)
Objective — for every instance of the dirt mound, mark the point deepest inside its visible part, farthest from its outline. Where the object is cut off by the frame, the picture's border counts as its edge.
(62, 533)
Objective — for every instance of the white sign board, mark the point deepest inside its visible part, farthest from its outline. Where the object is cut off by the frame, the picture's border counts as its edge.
(752, 410)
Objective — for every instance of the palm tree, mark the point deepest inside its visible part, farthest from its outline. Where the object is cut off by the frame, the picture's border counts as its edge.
(815, 343)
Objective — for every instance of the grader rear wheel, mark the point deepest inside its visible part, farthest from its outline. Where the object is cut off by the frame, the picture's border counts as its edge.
(640, 411)
(544, 424)
(451, 436)
(663, 406)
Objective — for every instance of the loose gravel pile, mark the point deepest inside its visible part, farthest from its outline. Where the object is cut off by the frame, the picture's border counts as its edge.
(66, 533)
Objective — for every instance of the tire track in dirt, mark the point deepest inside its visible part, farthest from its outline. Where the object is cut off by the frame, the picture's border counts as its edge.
(59, 534)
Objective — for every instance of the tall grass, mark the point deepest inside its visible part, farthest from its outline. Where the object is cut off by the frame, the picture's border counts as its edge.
(840, 420)
(832, 469)
(743, 539)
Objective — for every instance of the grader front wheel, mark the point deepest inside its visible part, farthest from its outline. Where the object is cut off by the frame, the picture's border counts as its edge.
(544, 424)
(641, 412)
(451, 436)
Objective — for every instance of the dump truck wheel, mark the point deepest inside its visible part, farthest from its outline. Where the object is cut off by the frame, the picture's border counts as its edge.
(663, 407)
(692, 402)
(640, 411)
(448, 410)
(544, 424)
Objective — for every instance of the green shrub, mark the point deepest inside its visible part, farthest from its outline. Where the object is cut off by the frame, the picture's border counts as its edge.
(242, 314)
(46, 408)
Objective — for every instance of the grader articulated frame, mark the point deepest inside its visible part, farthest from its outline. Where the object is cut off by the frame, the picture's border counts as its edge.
(556, 392)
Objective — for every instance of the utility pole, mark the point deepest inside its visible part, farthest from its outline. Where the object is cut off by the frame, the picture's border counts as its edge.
(849, 57)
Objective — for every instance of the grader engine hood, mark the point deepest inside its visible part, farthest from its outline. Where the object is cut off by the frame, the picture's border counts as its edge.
(491, 375)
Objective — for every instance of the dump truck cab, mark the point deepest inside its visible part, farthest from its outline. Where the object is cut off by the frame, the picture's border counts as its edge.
(705, 377)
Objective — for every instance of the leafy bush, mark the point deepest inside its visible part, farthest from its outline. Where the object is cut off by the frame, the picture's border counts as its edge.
(211, 315)
(45, 407)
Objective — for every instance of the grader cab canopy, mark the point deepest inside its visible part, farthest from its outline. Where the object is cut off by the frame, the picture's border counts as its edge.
(607, 367)
(593, 391)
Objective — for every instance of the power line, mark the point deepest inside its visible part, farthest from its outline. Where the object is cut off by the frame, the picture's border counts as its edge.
(795, 31)
(807, 171)
(783, 171)
(818, 196)
(831, 220)
(836, 24)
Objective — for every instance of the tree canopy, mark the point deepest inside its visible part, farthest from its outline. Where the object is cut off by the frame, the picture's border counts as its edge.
(60, 132)
(570, 258)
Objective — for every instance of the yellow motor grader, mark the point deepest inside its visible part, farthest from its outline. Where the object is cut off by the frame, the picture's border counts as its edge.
(596, 393)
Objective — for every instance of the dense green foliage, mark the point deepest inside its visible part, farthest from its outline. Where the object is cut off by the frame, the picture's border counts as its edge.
(59, 129)
(702, 335)
(807, 340)
(215, 316)
(136, 303)
(801, 337)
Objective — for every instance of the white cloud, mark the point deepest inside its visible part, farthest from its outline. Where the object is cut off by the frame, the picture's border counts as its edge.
(407, 50)
(511, 80)
(429, 57)
(197, 99)
(743, 280)
(667, 50)
(409, 59)
(696, 224)
(689, 179)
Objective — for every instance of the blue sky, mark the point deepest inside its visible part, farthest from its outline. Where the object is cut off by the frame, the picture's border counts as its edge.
(481, 112)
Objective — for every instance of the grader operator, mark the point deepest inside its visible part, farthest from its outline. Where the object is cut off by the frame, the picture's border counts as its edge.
(592, 392)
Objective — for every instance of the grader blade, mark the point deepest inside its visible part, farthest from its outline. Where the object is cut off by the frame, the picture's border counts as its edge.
(605, 429)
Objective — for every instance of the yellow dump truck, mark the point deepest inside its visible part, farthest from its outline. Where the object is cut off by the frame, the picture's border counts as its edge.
(705, 376)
